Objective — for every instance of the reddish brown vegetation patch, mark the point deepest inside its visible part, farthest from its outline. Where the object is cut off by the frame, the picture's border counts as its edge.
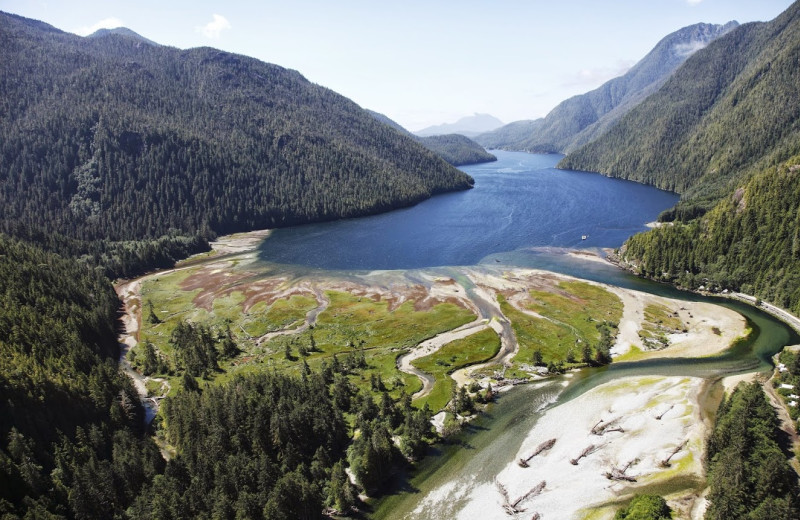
(397, 294)
(218, 283)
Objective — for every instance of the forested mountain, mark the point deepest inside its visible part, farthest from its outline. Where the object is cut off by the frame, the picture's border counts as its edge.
(731, 109)
(725, 132)
(508, 136)
(469, 126)
(107, 138)
(581, 119)
(456, 149)
(70, 422)
(750, 241)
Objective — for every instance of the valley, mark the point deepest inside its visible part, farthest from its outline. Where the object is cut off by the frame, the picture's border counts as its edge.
(475, 327)
(229, 291)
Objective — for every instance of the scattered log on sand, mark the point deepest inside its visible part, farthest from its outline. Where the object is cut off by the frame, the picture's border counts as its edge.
(503, 491)
(665, 463)
(619, 473)
(588, 451)
(616, 474)
(602, 428)
(535, 490)
(662, 414)
(536, 516)
(546, 445)
(513, 508)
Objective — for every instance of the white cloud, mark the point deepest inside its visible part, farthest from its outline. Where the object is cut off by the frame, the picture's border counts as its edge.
(597, 76)
(214, 28)
(693, 2)
(106, 23)
(688, 48)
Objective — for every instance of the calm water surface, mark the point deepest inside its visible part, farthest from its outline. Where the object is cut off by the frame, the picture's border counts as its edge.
(519, 202)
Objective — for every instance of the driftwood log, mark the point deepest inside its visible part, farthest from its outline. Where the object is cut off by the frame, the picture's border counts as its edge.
(619, 473)
(662, 414)
(601, 428)
(587, 451)
(546, 445)
(513, 508)
(665, 463)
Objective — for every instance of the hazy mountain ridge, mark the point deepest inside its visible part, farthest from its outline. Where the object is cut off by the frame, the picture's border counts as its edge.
(456, 149)
(730, 107)
(582, 118)
(469, 126)
(107, 138)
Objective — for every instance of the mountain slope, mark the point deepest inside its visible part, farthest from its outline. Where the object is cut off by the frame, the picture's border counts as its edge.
(510, 136)
(456, 149)
(724, 131)
(105, 138)
(731, 109)
(582, 118)
(750, 241)
(469, 126)
(121, 31)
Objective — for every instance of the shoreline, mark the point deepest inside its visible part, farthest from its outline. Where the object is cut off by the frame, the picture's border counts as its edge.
(773, 310)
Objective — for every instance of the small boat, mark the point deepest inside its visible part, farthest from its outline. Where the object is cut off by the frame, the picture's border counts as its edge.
(584, 237)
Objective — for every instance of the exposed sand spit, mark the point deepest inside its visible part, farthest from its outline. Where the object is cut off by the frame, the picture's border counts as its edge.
(709, 329)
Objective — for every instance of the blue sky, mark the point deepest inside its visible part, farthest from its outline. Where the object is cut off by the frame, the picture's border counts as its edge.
(419, 62)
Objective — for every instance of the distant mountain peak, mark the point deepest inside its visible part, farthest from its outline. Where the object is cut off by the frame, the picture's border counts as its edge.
(469, 126)
(122, 31)
(456, 149)
(582, 118)
(691, 39)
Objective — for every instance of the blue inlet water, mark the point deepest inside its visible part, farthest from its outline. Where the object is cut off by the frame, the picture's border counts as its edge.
(519, 203)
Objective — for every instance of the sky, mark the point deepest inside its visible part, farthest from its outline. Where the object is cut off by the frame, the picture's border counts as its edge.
(420, 62)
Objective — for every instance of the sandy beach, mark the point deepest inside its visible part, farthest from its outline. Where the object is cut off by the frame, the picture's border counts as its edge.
(644, 429)
(709, 329)
(239, 242)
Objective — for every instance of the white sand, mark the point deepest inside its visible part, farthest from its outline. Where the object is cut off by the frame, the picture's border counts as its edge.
(590, 256)
(239, 242)
(731, 382)
(570, 490)
(699, 318)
